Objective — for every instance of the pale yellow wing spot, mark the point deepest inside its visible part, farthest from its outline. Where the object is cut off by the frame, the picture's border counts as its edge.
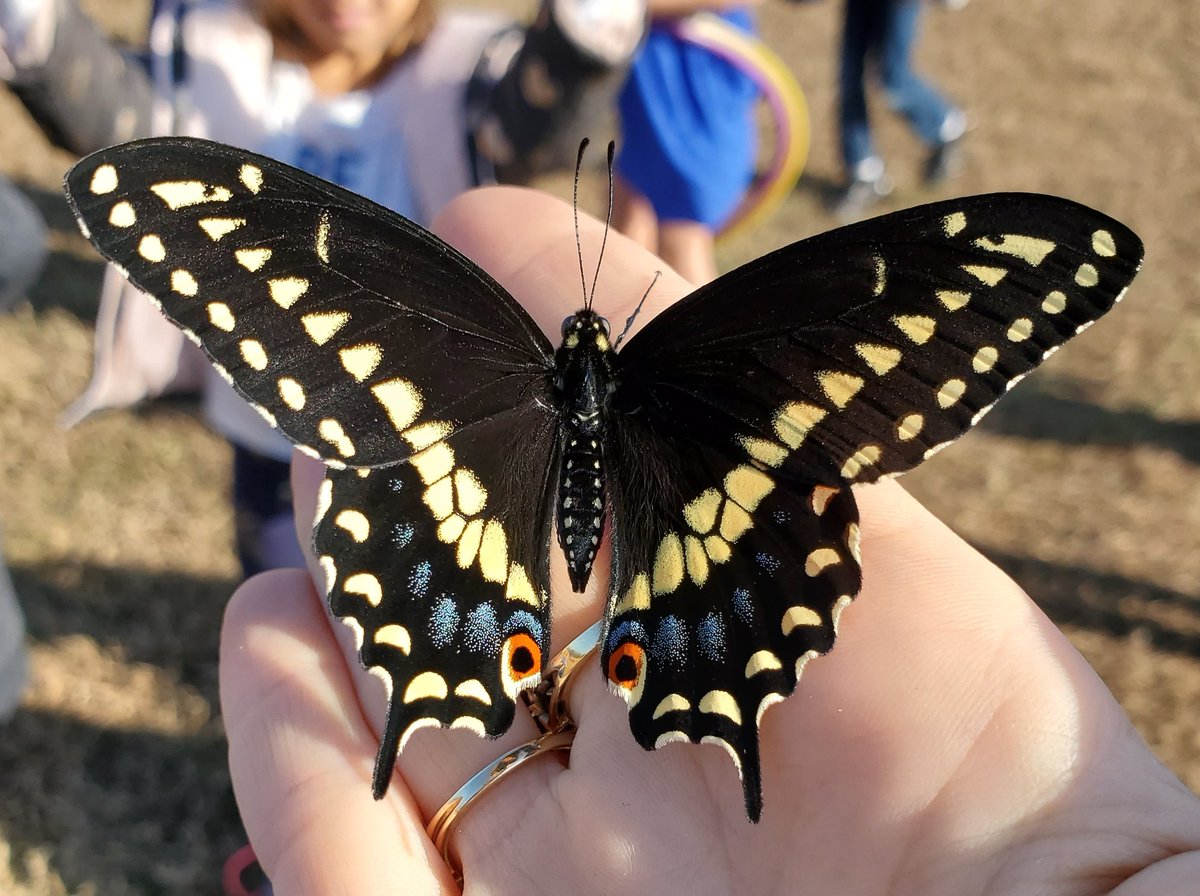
(799, 615)
(835, 614)
(471, 495)
(519, 587)
(286, 291)
(764, 451)
(331, 431)
(425, 434)
(734, 522)
(1021, 329)
(671, 703)
(468, 544)
(668, 737)
(355, 523)
(364, 585)
(985, 359)
(636, 596)
(177, 194)
(918, 328)
(821, 495)
(401, 401)
(701, 513)
(721, 703)
(184, 283)
(863, 457)
(434, 463)
(252, 351)
(748, 486)
(839, 388)
(950, 392)
(104, 180)
(151, 248)
(360, 362)
(439, 498)
(329, 571)
(717, 549)
(394, 635)
(493, 552)
(880, 275)
(1103, 244)
(1027, 248)
(266, 415)
(122, 215)
(1087, 275)
(910, 427)
(854, 541)
(221, 317)
(451, 529)
(762, 661)
(321, 245)
(252, 177)
(953, 299)
(473, 689)
(668, 565)
(292, 393)
(880, 358)
(1055, 302)
(324, 325)
(794, 422)
(985, 274)
(954, 223)
(252, 259)
(219, 227)
(426, 686)
(696, 560)
(820, 560)
(324, 500)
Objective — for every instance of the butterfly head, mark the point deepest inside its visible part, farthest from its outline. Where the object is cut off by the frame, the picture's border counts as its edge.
(586, 328)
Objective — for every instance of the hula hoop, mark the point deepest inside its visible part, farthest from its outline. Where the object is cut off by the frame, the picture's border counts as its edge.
(785, 99)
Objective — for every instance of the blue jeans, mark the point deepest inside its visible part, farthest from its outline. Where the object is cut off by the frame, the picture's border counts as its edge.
(884, 31)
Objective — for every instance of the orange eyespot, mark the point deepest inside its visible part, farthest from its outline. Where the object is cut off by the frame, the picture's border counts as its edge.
(522, 657)
(625, 665)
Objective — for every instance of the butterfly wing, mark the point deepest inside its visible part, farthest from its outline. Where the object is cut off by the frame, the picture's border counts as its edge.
(760, 398)
(410, 372)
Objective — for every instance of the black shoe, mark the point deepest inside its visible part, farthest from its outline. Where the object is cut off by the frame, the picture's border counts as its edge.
(945, 162)
(859, 195)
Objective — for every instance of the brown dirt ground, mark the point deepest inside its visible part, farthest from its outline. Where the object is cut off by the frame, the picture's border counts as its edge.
(1083, 485)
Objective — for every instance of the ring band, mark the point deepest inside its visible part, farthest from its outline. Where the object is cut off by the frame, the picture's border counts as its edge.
(547, 703)
(444, 820)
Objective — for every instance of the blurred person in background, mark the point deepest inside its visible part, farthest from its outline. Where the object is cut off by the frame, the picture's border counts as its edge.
(883, 34)
(393, 99)
(22, 244)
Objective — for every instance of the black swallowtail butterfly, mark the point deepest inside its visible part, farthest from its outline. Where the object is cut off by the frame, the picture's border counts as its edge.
(720, 443)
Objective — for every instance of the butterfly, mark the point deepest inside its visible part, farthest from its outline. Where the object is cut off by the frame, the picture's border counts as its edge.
(717, 449)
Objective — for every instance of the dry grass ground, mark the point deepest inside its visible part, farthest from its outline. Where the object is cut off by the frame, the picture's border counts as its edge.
(1083, 485)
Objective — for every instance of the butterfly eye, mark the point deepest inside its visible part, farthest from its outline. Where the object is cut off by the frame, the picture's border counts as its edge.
(604, 325)
(522, 657)
(566, 324)
(626, 664)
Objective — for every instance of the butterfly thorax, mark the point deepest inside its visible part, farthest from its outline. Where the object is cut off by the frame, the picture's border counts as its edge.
(584, 383)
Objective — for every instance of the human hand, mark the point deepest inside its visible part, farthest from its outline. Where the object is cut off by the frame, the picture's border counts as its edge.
(953, 741)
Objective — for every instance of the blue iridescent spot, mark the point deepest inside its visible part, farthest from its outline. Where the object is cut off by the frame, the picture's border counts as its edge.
(671, 642)
(522, 621)
(402, 535)
(781, 516)
(743, 606)
(418, 578)
(710, 637)
(395, 484)
(767, 561)
(481, 632)
(443, 622)
(630, 630)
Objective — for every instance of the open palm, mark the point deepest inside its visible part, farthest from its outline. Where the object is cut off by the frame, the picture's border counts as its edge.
(952, 743)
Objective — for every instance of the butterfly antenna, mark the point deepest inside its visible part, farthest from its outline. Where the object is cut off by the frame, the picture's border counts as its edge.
(636, 311)
(612, 149)
(583, 144)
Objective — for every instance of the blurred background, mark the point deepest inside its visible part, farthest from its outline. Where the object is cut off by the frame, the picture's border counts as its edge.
(1084, 484)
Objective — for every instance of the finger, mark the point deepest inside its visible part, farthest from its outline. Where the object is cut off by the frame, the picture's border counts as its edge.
(300, 755)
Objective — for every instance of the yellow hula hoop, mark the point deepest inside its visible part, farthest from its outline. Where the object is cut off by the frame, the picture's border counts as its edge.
(785, 99)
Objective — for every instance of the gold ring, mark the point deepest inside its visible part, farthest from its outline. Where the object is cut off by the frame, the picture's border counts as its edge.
(443, 823)
(547, 703)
